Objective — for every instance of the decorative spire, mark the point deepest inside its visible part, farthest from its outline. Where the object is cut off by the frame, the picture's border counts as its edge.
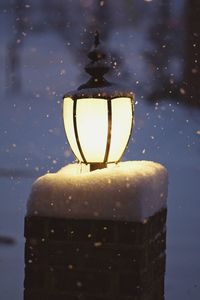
(96, 38)
(98, 66)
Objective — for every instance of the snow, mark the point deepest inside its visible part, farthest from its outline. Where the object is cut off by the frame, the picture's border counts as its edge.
(32, 121)
(130, 191)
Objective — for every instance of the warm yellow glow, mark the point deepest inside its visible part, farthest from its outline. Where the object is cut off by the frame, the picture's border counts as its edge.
(92, 125)
(91, 120)
(69, 126)
(121, 127)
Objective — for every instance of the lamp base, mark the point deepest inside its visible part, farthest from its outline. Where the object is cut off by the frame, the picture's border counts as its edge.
(94, 259)
(96, 166)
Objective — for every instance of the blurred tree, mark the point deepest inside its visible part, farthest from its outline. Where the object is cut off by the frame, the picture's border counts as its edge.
(75, 23)
(98, 17)
(191, 83)
(159, 56)
(13, 63)
(167, 44)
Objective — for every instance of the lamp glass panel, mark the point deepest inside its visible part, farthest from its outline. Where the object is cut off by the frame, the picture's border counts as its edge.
(69, 126)
(92, 127)
(121, 126)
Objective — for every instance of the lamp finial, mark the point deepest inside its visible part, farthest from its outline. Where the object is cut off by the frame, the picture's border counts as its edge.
(98, 66)
(96, 38)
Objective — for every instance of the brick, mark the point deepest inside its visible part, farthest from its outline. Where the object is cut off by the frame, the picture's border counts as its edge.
(64, 297)
(35, 252)
(58, 229)
(35, 227)
(158, 267)
(157, 291)
(80, 231)
(114, 257)
(131, 233)
(31, 295)
(104, 232)
(65, 254)
(94, 259)
(130, 284)
(158, 221)
(81, 281)
(157, 246)
(34, 277)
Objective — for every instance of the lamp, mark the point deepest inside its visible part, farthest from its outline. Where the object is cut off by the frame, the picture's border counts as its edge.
(98, 116)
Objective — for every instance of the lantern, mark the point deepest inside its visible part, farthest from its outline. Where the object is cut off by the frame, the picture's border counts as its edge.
(98, 117)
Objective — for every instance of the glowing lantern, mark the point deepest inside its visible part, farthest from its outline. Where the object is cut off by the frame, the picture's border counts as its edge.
(98, 117)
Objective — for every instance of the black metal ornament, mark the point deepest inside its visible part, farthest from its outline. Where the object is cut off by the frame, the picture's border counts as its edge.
(98, 66)
(97, 86)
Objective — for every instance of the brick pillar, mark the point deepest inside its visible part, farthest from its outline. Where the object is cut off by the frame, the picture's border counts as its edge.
(94, 259)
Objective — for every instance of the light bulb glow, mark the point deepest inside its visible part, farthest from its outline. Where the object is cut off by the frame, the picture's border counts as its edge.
(69, 126)
(92, 125)
(121, 127)
(92, 129)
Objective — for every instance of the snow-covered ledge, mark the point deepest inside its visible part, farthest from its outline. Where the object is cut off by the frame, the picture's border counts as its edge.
(128, 191)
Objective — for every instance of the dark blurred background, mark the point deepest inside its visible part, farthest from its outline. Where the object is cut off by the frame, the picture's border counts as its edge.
(155, 49)
(170, 30)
